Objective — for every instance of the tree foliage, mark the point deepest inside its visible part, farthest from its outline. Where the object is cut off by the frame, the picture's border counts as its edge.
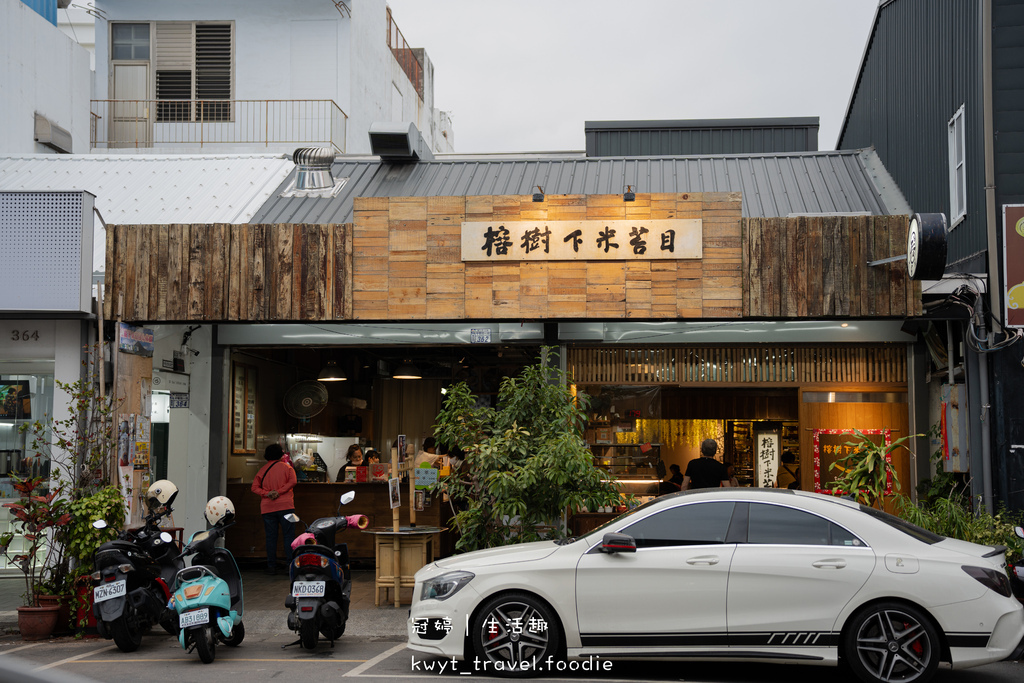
(526, 462)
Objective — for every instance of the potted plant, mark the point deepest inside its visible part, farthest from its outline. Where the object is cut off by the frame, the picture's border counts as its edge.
(866, 472)
(528, 459)
(81, 449)
(36, 514)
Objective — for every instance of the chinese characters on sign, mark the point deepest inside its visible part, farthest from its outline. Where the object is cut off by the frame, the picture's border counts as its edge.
(588, 240)
(831, 445)
(766, 458)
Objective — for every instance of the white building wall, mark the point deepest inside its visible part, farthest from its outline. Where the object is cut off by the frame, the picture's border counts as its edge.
(44, 71)
(294, 49)
(78, 25)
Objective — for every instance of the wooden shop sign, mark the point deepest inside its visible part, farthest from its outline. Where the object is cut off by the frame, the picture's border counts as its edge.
(586, 240)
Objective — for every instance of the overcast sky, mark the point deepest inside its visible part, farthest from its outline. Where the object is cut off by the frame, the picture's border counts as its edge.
(524, 75)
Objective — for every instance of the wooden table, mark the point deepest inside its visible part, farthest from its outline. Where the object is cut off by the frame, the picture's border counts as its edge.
(415, 547)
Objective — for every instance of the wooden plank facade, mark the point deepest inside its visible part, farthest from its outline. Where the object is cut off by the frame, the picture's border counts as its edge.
(220, 272)
(401, 260)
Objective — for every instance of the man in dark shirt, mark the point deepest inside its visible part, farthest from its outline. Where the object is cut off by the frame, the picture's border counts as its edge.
(705, 472)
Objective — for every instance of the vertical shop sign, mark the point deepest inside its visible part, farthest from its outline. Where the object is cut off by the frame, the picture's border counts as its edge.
(1013, 263)
(243, 409)
(766, 457)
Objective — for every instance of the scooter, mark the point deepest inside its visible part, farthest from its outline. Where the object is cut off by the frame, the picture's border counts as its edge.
(321, 585)
(132, 574)
(208, 595)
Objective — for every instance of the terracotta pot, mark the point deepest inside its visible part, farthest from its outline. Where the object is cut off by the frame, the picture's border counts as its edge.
(63, 604)
(37, 623)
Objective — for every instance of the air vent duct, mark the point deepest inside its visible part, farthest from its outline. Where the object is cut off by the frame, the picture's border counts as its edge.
(314, 168)
(53, 136)
(398, 142)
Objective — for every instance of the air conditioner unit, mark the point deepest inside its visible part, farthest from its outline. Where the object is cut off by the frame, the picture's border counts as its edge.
(53, 136)
(398, 142)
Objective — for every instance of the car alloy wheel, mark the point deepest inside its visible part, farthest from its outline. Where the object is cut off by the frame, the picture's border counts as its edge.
(892, 643)
(516, 632)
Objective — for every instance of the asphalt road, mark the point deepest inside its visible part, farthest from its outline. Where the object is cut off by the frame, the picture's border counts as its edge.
(261, 658)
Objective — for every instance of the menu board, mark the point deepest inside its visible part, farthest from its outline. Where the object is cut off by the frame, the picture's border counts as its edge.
(243, 409)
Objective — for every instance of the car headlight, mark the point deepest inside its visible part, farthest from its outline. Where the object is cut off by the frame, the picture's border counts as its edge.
(445, 586)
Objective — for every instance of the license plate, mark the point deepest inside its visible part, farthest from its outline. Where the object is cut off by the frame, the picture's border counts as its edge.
(107, 591)
(309, 589)
(194, 618)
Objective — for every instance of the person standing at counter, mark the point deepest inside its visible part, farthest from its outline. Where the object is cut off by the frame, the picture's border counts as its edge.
(428, 457)
(354, 458)
(273, 484)
(705, 472)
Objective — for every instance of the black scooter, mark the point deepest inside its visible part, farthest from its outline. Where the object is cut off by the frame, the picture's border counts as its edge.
(320, 579)
(132, 576)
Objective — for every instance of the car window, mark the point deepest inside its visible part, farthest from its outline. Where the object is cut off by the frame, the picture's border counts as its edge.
(778, 524)
(903, 525)
(694, 524)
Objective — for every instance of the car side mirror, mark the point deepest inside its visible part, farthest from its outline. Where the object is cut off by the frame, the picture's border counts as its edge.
(618, 543)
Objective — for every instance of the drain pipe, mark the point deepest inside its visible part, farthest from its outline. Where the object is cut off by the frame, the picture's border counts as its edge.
(994, 279)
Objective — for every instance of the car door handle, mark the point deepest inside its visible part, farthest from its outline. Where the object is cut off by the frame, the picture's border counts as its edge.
(829, 564)
(703, 559)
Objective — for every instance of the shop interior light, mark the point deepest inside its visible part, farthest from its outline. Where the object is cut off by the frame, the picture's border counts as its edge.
(305, 438)
(332, 373)
(538, 196)
(406, 371)
(629, 195)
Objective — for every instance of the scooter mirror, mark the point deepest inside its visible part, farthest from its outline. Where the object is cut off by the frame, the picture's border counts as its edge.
(1019, 531)
(100, 524)
(292, 517)
(166, 537)
(347, 498)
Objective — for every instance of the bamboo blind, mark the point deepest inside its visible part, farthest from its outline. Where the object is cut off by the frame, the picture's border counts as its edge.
(739, 364)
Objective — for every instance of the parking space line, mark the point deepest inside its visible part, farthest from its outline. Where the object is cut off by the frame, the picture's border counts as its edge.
(74, 659)
(18, 649)
(369, 663)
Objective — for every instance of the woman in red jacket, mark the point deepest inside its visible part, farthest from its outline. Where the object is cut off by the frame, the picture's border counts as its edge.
(273, 484)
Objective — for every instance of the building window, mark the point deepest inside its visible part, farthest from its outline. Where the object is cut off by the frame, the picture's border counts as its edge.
(192, 63)
(957, 168)
(129, 41)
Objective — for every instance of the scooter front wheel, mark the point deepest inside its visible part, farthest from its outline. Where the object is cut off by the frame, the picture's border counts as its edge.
(206, 646)
(308, 633)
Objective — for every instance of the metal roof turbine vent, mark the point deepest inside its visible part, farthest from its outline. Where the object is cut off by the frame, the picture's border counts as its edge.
(314, 172)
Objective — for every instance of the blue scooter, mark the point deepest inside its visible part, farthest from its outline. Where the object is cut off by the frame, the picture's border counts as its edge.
(208, 595)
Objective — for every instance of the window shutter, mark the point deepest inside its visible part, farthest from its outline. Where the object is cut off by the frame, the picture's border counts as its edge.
(175, 61)
(213, 70)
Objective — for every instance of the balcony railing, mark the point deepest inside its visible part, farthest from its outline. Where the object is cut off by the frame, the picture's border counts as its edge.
(405, 55)
(125, 124)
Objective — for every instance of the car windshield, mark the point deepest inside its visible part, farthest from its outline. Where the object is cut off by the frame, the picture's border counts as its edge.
(903, 525)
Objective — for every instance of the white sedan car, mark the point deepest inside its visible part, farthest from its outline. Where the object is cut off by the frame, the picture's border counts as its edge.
(726, 574)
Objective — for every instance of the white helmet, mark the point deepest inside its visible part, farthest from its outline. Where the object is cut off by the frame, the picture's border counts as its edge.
(220, 510)
(161, 494)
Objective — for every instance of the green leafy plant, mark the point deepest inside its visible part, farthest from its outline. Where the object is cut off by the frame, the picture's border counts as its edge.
(953, 517)
(865, 473)
(36, 513)
(82, 451)
(526, 462)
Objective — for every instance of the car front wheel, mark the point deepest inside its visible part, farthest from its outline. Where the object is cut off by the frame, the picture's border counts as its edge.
(892, 643)
(515, 634)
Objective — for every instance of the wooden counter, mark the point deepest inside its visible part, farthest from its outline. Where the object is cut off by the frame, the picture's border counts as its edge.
(314, 500)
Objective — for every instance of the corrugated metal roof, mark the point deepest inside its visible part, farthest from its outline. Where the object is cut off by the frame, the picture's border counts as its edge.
(773, 185)
(159, 189)
(156, 189)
